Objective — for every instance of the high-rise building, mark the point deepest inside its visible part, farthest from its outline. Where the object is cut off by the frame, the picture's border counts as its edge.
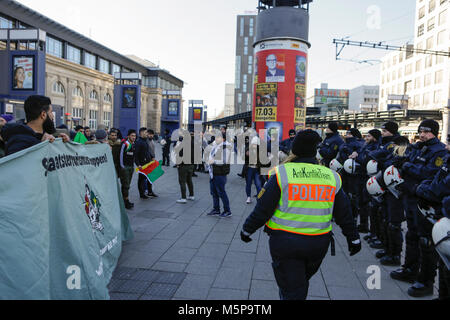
(245, 38)
(331, 101)
(415, 80)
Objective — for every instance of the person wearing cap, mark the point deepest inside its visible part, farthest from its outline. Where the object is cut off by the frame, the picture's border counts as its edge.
(101, 136)
(368, 205)
(297, 206)
(424, 162)
(329, 149)
(286, 145)
(436, 193)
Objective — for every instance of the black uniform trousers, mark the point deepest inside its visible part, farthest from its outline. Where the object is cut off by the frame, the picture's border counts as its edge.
(166, 157)
(412, 235)
(296, 259)
(396, 216)
(352, 186)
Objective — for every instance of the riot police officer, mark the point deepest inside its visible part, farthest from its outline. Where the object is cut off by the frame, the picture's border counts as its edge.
(297, 206)
(425, 160)
(436, 193)
(389, 133)
(329, 149)
(373, 140)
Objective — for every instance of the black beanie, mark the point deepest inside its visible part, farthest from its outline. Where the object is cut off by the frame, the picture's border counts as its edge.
(392, 127)
(305, 144)
(375, 133)
(430, 125)
(355, 132)
(292, 131)
(333, 126)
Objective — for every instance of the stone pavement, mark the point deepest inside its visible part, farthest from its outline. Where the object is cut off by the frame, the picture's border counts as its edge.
(181, 253)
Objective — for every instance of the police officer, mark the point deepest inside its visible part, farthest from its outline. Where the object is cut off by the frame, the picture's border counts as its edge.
(297, 206)
(373, 140)
(329, 149)
(436, 193)
(351, 181)
(424, 161)
(389, 133)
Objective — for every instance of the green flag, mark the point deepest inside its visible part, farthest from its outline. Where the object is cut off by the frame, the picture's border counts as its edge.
(62, 222)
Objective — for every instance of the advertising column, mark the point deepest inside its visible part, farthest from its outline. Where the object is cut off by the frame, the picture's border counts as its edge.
(280, 85)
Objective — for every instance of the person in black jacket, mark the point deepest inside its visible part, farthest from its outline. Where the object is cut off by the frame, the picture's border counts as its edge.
(142, 157)
(39, 127)
(127, 154)
(186, 169)
(166, 148)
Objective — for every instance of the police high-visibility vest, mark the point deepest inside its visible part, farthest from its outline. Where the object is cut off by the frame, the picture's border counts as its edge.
(307, 199)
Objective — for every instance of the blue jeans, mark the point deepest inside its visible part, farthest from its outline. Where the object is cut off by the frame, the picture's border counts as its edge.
(253, 176)
(217, 187)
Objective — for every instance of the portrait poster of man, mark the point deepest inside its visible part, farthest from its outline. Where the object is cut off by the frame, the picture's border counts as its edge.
(276, 68)
(129, 98)
(23, 73)
(266, 102)
(300, 70)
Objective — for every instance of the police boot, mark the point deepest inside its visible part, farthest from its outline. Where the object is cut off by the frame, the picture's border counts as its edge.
(390, 260)
(420, 290)
(369, 237)
(404, 274)
(376, 244)
(363, 229)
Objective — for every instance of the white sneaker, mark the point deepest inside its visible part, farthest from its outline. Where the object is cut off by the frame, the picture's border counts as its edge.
(182, 201)
(249, 200)
(191, 198)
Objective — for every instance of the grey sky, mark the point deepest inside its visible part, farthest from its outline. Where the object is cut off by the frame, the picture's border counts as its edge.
(195, 40)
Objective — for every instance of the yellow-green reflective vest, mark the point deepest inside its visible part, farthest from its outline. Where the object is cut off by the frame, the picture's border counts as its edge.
(307, 199)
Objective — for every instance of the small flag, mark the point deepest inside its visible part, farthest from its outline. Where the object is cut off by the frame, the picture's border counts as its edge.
(153, 171)
(80, 138)
(128, 146)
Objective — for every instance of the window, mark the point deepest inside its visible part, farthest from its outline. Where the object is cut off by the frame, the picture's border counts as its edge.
(400, 57)
(437, 96)
(107, 119)
(430, 24)
(93, 95)
(421, 30)
(441, 37)
(439, 59)
(426, 98)
(394, 60)
(238, 72)
(427, 80)
(90, 61)
(408, 69)
(116, 68)
(103, 65)
(245, 50)
(5, 23)
(77, 92)
(107, 98)
(408, 87)
(77, 113)
(418, 65)
(417, 83)
(93, 119)
(73, 54)
(439, 77)
(432, 6)
(428, 61)
(416, 100)
(400, 73)
(242, 27)
(240, 98)
(443, 17)
(430, 43)
(54, 47)
(394, 75)
(58, 88)
(421, 12)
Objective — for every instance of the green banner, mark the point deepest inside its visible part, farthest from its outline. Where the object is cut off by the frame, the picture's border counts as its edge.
(62, 222)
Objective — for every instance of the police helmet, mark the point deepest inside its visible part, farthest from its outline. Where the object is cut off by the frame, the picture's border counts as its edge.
(351, 166)
(336, 165)
(372, 168)
(375, 187)
(441, 238)
(392, 179)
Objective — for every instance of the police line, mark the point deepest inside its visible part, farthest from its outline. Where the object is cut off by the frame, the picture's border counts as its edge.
(61, 230)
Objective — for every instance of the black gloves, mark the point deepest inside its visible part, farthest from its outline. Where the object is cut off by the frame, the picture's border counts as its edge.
(245, 237)
(399, 161)
(354, 247)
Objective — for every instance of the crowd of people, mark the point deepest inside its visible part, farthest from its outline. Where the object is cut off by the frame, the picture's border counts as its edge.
(388, 179)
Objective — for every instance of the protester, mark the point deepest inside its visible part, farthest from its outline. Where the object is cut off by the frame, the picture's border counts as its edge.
(151, 148)
(4, 119)
(185, 171)
(101, 136)
(39, 127)
(253, 171)
(115, 145)
(166, 143)
(219, 169)
(142, 157)
(127, 154)
(88, 134)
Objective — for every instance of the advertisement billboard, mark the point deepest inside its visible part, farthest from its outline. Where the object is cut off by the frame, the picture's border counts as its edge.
(173, 108)
(129, 98)
(23, 73)
(280, 84)
(197, 114)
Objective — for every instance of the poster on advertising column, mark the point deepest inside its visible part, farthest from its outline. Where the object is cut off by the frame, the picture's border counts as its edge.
(266, 102)
(300, 108)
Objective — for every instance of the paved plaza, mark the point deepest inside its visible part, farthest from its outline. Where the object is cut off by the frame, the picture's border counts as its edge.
(180, 253)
